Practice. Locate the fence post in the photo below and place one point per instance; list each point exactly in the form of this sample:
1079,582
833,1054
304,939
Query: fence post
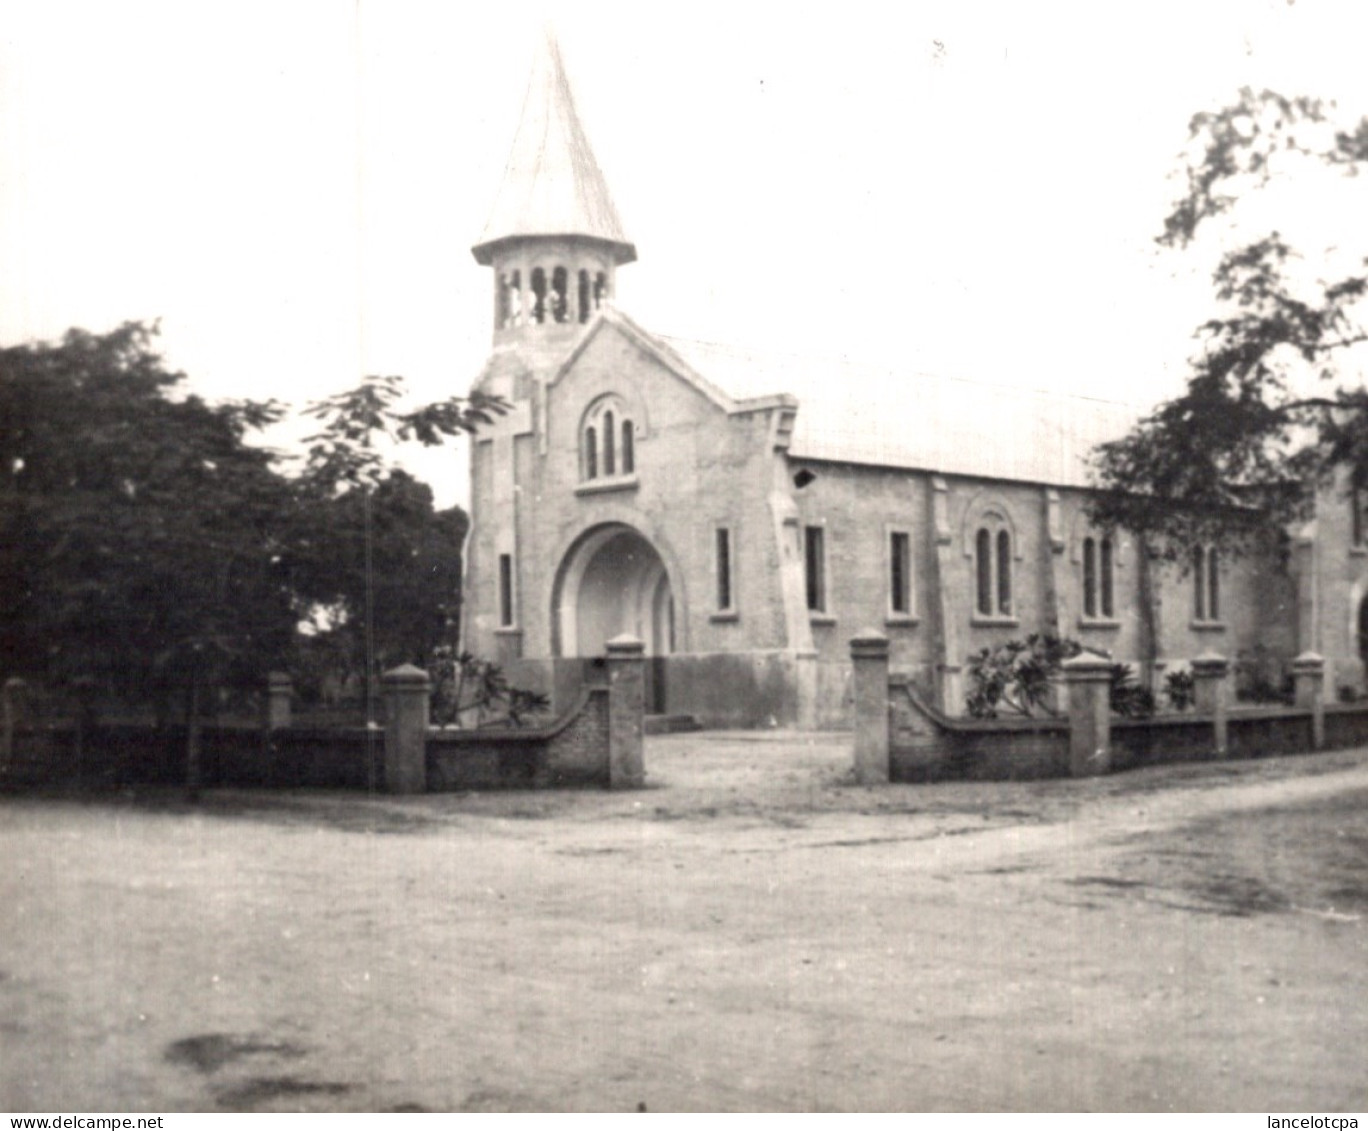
279,698
1308,677
1209,671
869,686
406,724
626,712
1088,679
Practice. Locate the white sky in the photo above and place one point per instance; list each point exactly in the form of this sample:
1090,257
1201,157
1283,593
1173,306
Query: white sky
293,186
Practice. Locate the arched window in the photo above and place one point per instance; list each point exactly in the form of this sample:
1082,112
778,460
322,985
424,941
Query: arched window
560,299
983,566
1004,573
538,295
600,289
991,550
584,309
607,440
590,453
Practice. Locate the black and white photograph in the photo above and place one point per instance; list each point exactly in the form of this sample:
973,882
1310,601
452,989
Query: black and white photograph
730,557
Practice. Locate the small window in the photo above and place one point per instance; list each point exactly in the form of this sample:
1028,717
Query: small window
1099,589
1356,503
1206,584
607,440
560,303
993,572
538,295
609,452
1106,564
983,568
506,590
814,561
1004,573
584,304
899,573
723,568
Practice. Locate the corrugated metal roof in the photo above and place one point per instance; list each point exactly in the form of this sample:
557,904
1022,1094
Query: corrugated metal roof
552,184
871,415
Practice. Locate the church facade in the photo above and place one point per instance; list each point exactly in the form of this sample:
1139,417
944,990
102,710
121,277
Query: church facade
745,516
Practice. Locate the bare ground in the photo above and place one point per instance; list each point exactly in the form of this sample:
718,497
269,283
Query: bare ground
752,932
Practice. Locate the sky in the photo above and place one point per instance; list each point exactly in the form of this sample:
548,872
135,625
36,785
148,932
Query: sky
971,189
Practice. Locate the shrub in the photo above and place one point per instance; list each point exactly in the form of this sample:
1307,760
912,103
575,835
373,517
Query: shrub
468,691
1015,676
1128,698
1180,689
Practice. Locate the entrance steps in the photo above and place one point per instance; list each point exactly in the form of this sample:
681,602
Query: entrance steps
670,724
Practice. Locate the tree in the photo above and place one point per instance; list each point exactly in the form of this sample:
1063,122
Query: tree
1274,402
147,547
381,556
141,534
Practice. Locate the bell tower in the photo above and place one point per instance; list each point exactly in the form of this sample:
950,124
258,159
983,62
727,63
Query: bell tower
554,238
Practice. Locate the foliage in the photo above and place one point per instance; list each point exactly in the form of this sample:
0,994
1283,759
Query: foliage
150,553
1180,689
1261,416
1015,676
1127,697
141,547
468,691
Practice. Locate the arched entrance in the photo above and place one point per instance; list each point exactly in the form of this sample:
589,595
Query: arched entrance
613,581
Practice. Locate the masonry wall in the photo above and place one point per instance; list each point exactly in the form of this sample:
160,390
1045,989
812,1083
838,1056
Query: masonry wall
571,752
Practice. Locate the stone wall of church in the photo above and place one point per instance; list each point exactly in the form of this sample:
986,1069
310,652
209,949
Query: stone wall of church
1147,617
1338,556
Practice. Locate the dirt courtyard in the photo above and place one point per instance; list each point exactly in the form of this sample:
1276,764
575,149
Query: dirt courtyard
750,933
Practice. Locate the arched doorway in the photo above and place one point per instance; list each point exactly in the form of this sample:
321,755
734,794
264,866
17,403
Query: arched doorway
613,581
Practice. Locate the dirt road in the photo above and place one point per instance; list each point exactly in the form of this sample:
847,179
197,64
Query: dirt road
750,933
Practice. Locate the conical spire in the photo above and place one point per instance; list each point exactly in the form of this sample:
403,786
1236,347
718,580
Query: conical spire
552,185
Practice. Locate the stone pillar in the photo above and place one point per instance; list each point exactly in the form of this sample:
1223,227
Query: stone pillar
869,686
1088,680
1308,677
626,712
1209,672
279,699
406,691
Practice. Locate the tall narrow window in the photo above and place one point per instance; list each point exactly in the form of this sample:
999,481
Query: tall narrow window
584,310
505,590
983,567
724,569
538,295
590,453
899,573
600,289
1089,577
1004,573
814,559
1199,579
1108,587
628,455
1213,585
609,459
560,298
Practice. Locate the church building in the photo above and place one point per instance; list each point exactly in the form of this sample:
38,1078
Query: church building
745,516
